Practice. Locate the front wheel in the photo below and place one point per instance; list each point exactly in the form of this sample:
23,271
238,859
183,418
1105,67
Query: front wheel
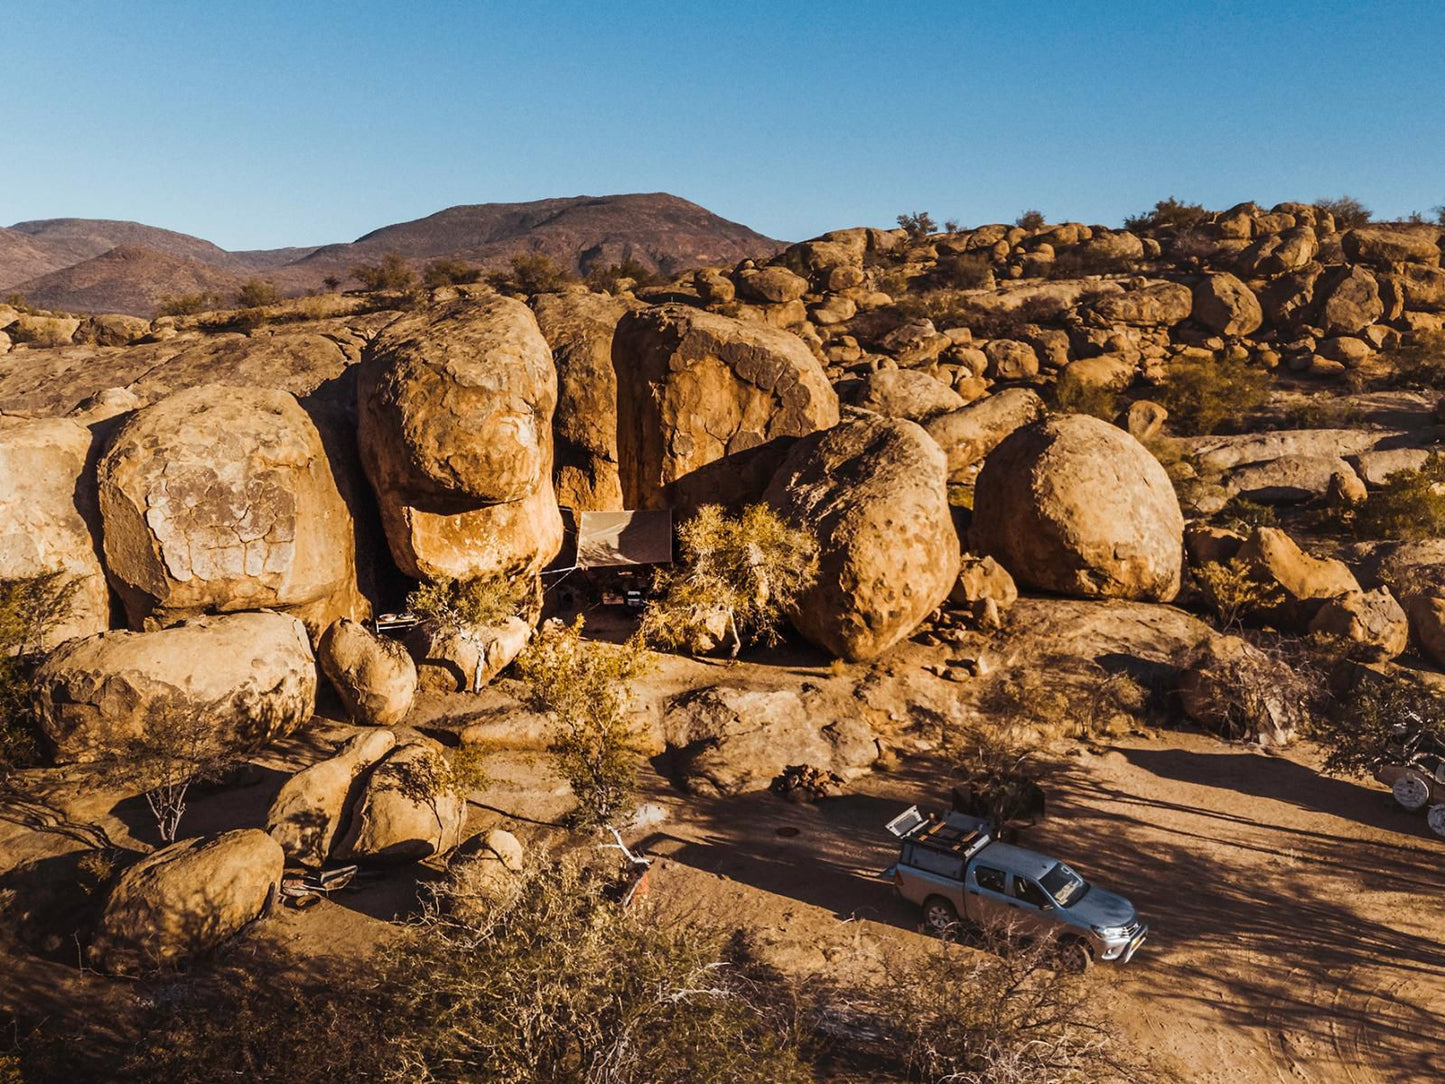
1076,955
1411,790
1436,819
939,916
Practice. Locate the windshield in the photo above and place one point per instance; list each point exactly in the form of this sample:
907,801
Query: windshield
1064,885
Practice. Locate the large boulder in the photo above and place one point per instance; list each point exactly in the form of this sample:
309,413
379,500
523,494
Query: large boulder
408,810
1382,246
874,492
1348,301
1280,253
222,498
1156,304
728,739
455,428
1226,306
984,589
452,658
1423,288
905,393
307,814
1077,506
373,675
185,900
250,676
47,510
968,434
1298,583
708,405
579,328
1427,622
1372,620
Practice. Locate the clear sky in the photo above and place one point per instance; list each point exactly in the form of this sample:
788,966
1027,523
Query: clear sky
259,124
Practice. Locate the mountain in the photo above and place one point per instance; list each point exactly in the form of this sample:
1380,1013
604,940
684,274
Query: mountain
67,263
127,278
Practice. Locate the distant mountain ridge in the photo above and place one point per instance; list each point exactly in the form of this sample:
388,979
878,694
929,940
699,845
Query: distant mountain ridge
101,265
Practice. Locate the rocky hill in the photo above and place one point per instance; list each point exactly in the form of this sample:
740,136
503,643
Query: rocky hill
53,262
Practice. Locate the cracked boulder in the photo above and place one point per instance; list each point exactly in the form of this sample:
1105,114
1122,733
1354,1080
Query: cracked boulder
251,677
222,498
707,406
455,431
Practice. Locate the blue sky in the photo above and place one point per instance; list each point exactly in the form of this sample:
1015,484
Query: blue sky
261,124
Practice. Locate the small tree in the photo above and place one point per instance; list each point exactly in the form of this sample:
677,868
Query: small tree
255,293
951,225
531,273
1169,213
584,686
1410,504
1348,212
1202,395
449,273
175,750
918,225
741,573
392,274
1031,220
479,602
29,609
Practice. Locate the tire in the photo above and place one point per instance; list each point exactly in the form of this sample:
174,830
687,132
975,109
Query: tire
1075,955
1411,790
939,916
1436,819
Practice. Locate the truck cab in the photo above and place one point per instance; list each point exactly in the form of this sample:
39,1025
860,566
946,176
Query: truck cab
954,868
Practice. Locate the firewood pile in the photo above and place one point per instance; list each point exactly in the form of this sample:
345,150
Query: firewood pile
804,783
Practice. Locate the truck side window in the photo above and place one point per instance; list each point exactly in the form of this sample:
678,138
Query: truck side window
989,878
1029,892
944,865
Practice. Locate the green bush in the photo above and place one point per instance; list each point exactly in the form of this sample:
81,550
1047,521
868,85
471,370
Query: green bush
393,274
531,273
190,304
1410,505
1201,396
1076,397
476,603
1419,363
1169,213
918,225
449,273
254,293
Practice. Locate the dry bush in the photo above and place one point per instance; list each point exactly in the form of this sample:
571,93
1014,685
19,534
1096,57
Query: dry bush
1202,395
1348,211
1419,363
1234,592
175,751
1031,220
1379,711
1410,505
737,576
29,608
190,304
531,273
1169,213
917,225
1076,397
585,688
610,279
480,602
966,271
449,273
392,274
255,293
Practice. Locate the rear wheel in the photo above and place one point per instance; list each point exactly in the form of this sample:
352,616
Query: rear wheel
1436,819
940,916
1076,955
1411,790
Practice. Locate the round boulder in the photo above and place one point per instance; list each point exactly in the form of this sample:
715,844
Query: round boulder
373,675
186,899
251,676
874,492
1227,306
409,809
1077,506
310,808
221,498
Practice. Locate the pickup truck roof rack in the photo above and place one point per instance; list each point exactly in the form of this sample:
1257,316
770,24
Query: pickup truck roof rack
956,833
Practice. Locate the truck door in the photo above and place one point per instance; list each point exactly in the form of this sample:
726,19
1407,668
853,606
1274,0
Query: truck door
1028,901
988,903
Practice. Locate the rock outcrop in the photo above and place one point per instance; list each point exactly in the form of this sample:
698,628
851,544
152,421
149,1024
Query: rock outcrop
310,810
968,434
874,492
455,432
1077,506
373,675
251,677
408,810
221,498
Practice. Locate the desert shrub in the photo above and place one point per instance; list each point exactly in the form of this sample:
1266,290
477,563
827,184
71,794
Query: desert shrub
966,271
1410,505
475,603
332,283
989,322
1244,515
255,293
1076,397
174,751
1169,213
29,608
1348,211
1322,412
741,571
189,304
1419,363
1234,592
530,273
1031,220
609,279
893,281
992,762
584,688
918,225
392,274
1378,712
1079,261
449,273
1201,396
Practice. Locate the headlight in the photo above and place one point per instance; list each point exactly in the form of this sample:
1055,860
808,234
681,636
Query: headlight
1111,933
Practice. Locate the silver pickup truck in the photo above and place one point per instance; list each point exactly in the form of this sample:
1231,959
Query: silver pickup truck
954,868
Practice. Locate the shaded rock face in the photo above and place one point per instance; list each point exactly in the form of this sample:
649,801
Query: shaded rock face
311,807
731,740
967,435
47,511
251,675
1371,619
373,675
874,492
185,900
1233,689
456,660
1077,506
579,329
707,405
455,431
403,815
1303,583
222,498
